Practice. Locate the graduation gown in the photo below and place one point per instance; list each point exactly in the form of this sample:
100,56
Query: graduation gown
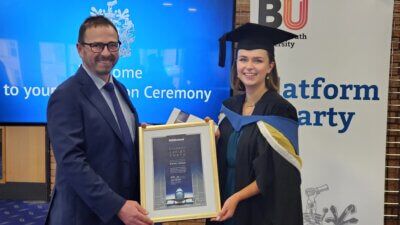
279,202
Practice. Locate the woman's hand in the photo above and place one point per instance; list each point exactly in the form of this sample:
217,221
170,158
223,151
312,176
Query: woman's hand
217,133
231,203
228,209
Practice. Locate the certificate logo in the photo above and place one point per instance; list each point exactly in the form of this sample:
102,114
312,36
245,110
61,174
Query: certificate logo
124,25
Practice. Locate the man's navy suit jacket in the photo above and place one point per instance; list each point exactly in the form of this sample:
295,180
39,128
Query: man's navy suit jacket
95,175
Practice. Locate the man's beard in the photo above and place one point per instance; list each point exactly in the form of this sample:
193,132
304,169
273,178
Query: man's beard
111,59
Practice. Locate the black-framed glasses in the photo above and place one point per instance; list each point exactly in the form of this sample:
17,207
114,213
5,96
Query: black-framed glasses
98,47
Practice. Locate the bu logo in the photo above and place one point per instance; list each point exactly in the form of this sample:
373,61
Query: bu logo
269,14
124,25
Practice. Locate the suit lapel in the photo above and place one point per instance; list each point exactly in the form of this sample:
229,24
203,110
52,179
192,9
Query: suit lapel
93,94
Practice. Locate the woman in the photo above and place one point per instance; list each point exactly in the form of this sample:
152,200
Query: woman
257,159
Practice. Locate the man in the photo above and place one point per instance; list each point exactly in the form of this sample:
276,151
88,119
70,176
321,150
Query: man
92,126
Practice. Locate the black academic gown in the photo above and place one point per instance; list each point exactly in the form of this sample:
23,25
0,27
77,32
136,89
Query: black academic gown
279,202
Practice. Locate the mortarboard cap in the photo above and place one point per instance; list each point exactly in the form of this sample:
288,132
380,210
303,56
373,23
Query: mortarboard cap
252,36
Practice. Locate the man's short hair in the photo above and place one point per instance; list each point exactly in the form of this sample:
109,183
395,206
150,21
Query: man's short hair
94,21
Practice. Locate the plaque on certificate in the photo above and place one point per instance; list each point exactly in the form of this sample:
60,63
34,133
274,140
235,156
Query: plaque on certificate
178,171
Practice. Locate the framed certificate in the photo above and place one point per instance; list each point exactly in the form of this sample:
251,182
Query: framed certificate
178,171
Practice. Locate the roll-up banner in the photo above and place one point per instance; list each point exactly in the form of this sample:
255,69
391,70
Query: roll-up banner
336,74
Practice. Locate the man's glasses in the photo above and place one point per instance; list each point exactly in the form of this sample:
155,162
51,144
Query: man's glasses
98,47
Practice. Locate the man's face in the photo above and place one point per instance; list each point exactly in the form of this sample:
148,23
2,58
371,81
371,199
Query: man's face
100,63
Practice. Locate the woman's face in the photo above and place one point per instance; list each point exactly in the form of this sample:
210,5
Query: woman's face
252,67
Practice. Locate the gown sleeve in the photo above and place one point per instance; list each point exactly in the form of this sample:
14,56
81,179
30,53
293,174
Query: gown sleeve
278,180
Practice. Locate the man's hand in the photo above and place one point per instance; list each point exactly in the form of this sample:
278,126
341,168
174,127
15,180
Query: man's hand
132,213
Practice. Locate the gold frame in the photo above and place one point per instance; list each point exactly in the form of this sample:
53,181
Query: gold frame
206,128
3,154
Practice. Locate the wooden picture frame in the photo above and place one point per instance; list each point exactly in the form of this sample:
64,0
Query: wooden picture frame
178,171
